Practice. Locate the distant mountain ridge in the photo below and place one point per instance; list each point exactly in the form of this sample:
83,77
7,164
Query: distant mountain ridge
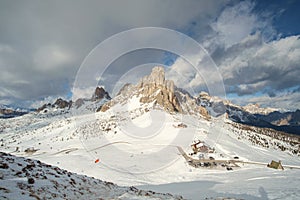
240,114
8,112
256,109
282,119
99,96
164,94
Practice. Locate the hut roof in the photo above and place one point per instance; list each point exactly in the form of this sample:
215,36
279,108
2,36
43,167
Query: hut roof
275,165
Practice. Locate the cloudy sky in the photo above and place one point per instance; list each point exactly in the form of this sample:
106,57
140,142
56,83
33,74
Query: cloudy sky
254,44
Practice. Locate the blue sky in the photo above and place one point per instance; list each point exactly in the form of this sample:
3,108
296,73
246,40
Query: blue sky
288,15
255,45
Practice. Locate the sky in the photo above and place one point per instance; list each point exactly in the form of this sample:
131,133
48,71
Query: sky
254,44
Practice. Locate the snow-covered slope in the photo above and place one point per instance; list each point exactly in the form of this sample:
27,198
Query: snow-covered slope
22,178
129,155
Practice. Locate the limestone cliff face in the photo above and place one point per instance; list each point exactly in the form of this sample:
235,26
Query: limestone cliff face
151,88
154,88
157,77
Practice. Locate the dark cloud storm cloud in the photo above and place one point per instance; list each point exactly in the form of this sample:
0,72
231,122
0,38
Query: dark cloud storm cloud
42,44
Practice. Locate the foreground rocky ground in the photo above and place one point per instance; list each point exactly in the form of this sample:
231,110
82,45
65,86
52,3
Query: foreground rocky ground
22,178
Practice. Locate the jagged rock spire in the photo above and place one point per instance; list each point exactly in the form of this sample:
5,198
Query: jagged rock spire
99,94
155,88
157,78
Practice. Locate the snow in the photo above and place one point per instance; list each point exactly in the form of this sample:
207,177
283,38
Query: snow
30,179
137,145
255,109
245,184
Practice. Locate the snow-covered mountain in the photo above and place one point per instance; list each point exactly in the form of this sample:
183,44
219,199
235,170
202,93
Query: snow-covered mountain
166,95
146,136
162,93
9,112
288,122
256,109
282,119
80,106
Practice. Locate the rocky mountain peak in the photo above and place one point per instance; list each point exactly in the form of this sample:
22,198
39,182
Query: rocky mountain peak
155,87
60,103
151,88
165,95
99,97
156,77
99,94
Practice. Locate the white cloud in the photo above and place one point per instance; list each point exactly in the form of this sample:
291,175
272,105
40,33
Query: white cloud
5,101
83,92
52,38
235,23
40,54
235,37
252,65
238,22
274,64
284,101
186,76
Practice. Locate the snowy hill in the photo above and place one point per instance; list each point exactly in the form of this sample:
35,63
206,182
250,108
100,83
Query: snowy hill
22,178
76,143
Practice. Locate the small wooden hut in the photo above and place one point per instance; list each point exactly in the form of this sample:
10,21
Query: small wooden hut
275,165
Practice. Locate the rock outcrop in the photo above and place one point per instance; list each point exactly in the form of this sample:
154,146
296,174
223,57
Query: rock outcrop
96,100
99,94
154,88
151,88
78,103
43,107
32,179
60,103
